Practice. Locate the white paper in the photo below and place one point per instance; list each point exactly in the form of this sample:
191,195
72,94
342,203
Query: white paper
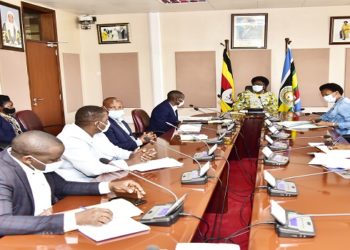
193,137
206,246
315,144
289,124
319,159
198,118
119,226
332,163
156,164
190,128
120,206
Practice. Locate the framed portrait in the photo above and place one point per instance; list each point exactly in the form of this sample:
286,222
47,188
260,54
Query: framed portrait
249,31
11,27
339,32
113,33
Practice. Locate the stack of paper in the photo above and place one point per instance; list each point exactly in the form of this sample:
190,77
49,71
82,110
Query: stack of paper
119,226
156,164
190,128
332,159
121,223
193,137
299,125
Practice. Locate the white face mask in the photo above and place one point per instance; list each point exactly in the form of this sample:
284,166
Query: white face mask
106,126
116,114
329,98
181,103
49,167
257,88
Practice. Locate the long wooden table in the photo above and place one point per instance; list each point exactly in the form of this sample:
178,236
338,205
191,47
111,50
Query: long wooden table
319,194
164,237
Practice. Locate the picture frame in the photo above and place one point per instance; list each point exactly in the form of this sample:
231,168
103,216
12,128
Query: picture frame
11,27
249,31
113,33
339,30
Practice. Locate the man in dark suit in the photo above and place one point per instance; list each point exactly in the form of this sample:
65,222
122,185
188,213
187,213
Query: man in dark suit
165,112
28,188
119,132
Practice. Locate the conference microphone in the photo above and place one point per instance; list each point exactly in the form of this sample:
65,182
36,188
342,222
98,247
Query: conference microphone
110,162
200,110
198,176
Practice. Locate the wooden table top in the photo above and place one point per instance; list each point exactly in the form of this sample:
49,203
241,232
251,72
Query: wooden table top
164,237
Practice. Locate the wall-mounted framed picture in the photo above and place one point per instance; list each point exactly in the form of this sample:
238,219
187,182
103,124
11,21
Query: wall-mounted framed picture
339,30
249,31
113,33
11,27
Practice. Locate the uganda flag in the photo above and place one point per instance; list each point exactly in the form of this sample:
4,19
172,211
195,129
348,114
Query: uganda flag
227,83
289,96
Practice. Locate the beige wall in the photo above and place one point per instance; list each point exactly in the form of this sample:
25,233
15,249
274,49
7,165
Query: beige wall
188,31
139,37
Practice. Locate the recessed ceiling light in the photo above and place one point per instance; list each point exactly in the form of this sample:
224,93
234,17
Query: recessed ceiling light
182,1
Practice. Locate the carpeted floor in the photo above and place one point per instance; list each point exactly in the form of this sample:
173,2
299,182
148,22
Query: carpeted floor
240,189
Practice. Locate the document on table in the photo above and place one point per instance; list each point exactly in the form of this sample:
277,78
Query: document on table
198,118
302,125
121,223
156,164
119,226
190,128
193,137
333,159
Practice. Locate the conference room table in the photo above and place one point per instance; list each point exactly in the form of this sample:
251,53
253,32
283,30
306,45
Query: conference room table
320,194
196,203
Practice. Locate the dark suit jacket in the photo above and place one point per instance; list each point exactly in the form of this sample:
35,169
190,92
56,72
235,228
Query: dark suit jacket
17,204
6,132
119,137
162,113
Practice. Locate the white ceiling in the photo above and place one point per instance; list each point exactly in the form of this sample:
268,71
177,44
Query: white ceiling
100,7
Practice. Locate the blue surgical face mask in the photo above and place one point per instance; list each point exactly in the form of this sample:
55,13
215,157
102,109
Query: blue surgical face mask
116,114
49,167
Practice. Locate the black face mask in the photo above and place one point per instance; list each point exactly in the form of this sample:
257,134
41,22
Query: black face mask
9,111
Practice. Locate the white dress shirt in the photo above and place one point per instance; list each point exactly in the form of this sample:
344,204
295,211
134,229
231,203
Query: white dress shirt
82,153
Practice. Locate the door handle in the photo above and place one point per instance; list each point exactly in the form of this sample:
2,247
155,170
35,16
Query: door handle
36,100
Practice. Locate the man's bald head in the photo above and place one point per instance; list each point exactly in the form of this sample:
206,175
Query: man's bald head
36,143
112,103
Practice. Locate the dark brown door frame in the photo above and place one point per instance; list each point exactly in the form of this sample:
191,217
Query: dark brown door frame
43,10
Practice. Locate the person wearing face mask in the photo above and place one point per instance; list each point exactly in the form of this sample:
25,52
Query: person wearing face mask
166,111
257,97
10,127
339,115
119,133
29,188
86,143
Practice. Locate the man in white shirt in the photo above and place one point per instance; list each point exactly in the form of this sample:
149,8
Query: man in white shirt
85,143
29,187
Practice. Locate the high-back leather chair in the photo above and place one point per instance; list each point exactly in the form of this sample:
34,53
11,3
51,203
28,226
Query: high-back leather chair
29,120
141,120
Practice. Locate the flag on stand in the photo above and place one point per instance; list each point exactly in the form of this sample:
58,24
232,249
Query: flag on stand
289,96
227,83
